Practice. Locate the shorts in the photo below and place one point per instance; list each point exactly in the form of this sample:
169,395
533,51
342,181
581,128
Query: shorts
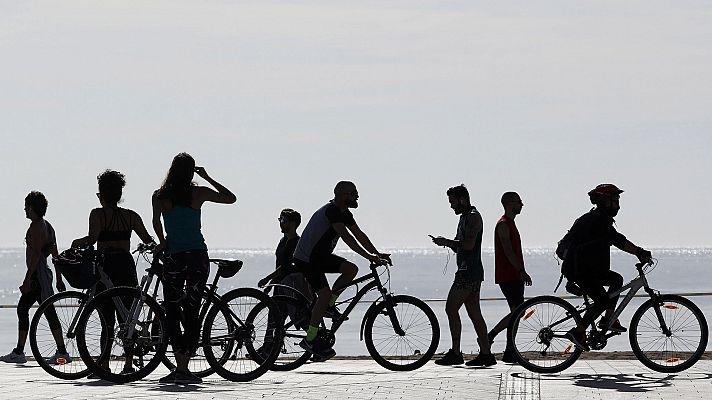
316,269
466,282
514,293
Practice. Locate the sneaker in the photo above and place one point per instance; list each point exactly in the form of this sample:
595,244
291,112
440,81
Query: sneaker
509,358
128,370
450,358
482,360
318,358
317,347
170,378
616,327
14,358
334,313
578,338
186,378
59,359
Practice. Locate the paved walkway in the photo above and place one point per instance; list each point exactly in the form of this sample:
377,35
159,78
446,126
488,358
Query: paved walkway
364,379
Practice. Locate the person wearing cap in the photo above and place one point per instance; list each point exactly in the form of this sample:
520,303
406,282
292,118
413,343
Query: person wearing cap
592,236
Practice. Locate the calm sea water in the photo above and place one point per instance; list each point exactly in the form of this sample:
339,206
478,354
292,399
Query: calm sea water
423,273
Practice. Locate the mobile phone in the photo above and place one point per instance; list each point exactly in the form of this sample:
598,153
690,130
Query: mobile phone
431,236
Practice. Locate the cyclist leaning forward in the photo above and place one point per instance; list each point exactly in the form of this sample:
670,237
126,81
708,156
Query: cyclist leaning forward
588,260
314,258
187,266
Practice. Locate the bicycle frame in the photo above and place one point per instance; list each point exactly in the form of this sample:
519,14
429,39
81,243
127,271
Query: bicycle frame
632,288
373,282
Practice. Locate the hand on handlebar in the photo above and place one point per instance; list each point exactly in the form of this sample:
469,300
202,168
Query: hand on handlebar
376,259
263,282
644,256
387,257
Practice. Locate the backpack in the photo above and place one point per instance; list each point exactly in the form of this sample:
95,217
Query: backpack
565,249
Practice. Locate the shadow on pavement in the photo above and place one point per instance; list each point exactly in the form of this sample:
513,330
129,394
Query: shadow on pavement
622,382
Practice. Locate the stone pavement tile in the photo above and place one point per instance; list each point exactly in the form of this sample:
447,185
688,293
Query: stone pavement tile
364,379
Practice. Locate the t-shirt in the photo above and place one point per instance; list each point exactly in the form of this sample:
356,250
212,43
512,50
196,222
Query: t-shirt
319,238
469,262
504,271
285,251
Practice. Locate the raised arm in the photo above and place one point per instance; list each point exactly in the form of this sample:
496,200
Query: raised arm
203,194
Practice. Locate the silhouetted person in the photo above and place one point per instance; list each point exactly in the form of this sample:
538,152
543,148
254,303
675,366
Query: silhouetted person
468,279
110,227
314,257
589,259
187,266
41,241
509,271
285,273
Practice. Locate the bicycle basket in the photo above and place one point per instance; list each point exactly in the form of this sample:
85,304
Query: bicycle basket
77,266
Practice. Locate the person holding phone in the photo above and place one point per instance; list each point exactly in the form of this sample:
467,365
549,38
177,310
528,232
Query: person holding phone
468,279
179,201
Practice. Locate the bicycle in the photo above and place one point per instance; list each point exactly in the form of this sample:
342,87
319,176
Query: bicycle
668,333
83,269
401,332
140,340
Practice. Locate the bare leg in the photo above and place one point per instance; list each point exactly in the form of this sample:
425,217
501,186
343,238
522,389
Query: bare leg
455,299
472,305
322,302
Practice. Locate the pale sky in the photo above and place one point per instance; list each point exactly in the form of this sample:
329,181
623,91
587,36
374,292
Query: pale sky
279,101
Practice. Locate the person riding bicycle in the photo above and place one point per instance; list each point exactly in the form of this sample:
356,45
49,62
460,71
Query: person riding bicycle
37,286
588,260
314,257
187,265
110,227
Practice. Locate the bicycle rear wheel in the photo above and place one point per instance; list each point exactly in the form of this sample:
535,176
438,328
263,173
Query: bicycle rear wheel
537,329
228,338
64,307
295,316
687,339
417,343
132,347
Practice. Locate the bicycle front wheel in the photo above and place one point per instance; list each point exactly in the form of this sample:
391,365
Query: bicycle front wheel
679,348
53,325
409,347
536,331
228,337
134,343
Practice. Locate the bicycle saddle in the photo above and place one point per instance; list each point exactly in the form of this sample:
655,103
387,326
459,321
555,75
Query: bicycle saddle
228,268
574,289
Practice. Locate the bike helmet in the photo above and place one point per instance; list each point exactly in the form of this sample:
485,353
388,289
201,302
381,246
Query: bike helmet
602,191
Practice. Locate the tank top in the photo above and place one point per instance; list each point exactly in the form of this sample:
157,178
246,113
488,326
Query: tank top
183,230
469,262
504,271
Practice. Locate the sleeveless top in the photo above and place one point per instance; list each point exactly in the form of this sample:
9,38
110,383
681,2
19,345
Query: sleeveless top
117,229
469,262
183,233
42,273
504,271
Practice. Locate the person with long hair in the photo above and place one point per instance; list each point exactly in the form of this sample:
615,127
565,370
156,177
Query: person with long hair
187,265
110,228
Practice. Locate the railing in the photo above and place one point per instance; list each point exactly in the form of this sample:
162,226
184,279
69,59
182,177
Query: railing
567,297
